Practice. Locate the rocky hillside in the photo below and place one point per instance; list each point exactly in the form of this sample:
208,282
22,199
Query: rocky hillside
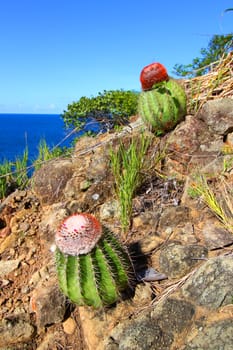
180,238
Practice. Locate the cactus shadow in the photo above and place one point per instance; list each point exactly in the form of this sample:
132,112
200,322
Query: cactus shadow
139,260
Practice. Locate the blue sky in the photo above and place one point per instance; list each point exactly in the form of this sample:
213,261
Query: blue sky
55,51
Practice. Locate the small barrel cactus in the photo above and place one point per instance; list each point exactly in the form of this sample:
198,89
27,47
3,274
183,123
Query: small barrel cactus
164,105
93,268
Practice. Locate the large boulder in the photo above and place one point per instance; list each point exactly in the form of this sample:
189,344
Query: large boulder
50,180
218,115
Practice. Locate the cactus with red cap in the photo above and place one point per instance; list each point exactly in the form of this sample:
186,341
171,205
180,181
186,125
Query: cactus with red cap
162,103
93,268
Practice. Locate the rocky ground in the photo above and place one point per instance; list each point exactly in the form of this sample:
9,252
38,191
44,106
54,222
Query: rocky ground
189,306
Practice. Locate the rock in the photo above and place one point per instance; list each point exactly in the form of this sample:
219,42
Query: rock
99,165
24,226
212,284
184,140
51,219
109,209
218,115
84,185
90,171
143,294
215,235
147,222
97,324
173,216
69,325
186,234
8,266
213,166
86,200
173,314
154,330
182,143
149,243
139,334
40,275
48,341
97,194
15,330
9,242
48,303
215,336
176,260
197,141
5,232
50,180
6,213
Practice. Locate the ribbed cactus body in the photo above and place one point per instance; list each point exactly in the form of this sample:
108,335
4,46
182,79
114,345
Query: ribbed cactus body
98,277
163,107
178,94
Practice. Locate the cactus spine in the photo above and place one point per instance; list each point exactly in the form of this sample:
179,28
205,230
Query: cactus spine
97,276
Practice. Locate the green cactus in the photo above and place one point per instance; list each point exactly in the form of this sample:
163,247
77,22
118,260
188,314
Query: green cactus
163,107
98,275
178,94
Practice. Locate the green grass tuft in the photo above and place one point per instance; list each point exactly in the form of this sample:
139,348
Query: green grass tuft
127,165
14,175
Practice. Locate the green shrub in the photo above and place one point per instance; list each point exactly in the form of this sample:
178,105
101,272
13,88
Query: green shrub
109,108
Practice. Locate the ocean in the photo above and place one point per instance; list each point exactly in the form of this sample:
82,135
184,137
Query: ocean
20,130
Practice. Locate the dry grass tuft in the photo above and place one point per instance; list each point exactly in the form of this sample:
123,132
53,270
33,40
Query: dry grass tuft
216,84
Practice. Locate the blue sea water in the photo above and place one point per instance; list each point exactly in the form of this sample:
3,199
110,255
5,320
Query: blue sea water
20,130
